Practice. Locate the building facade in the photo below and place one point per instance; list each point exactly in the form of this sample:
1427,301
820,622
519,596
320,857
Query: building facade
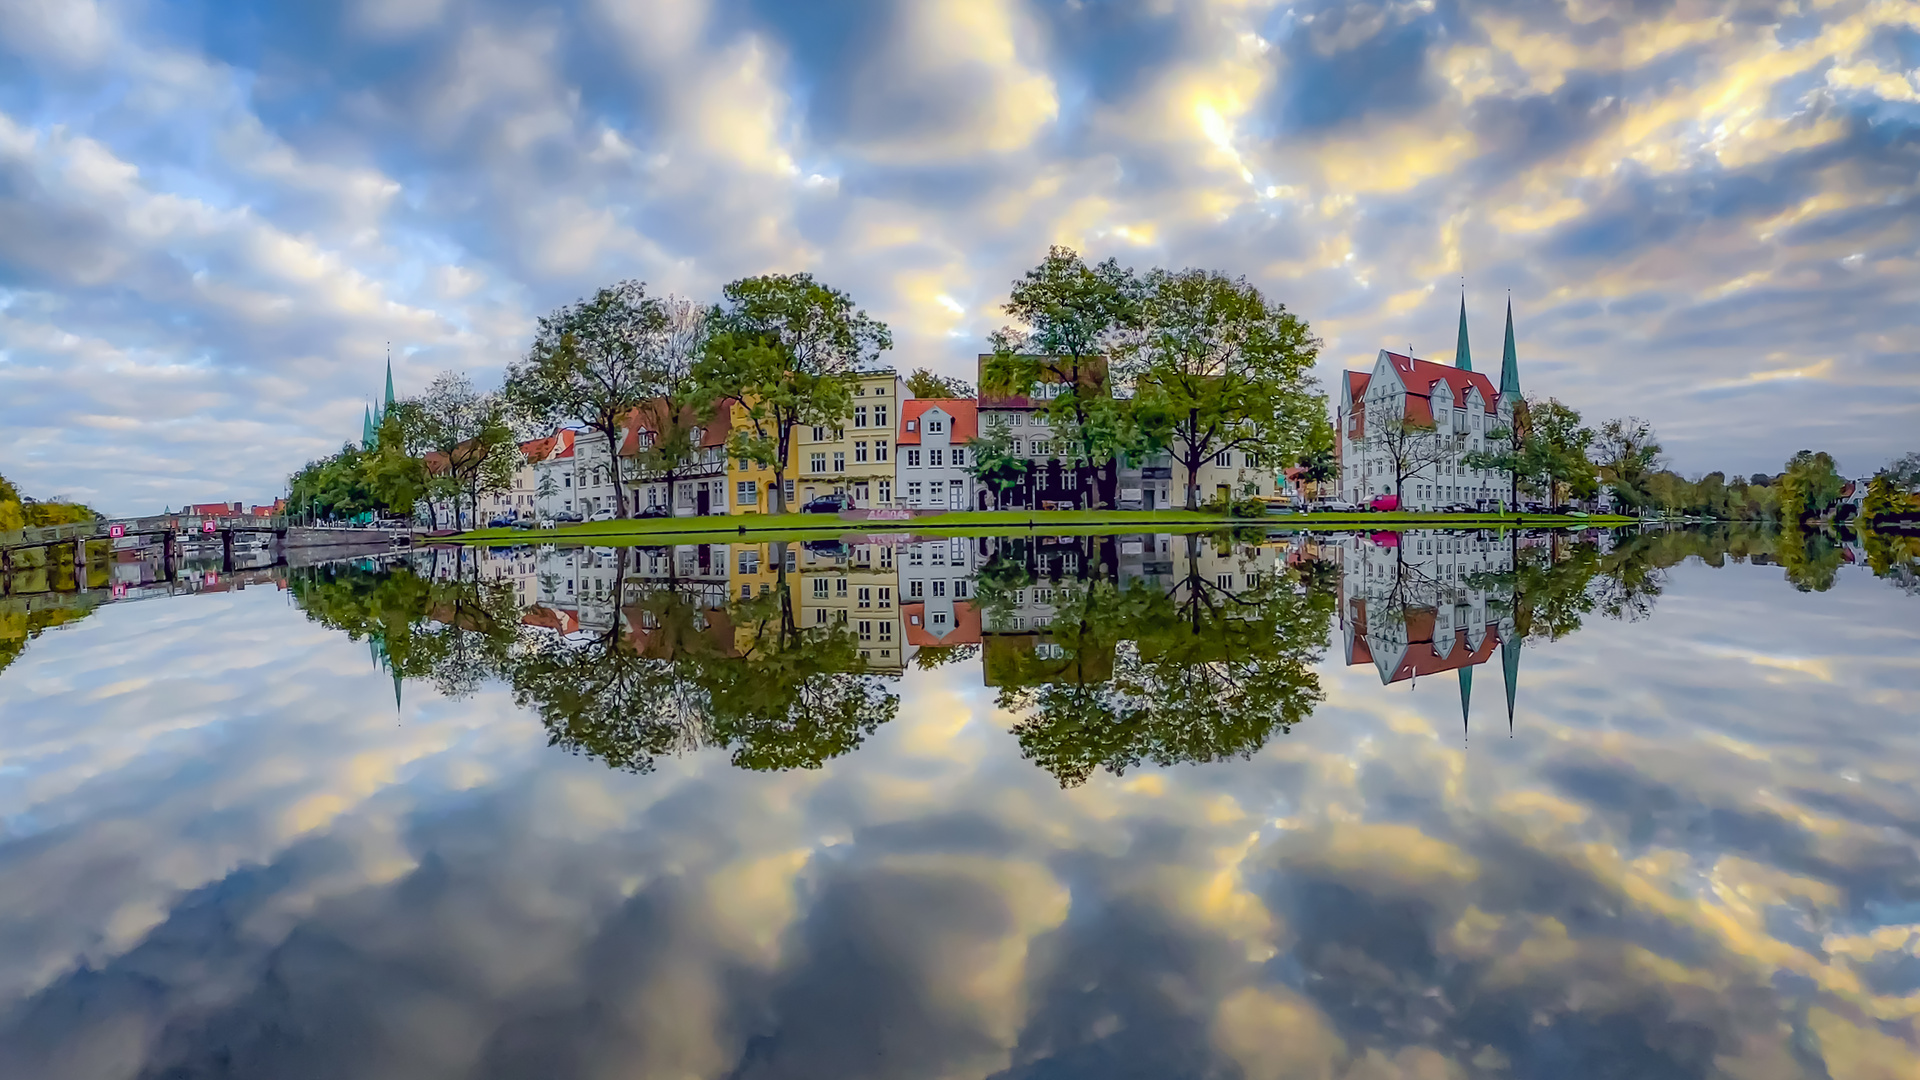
931,462
1420,418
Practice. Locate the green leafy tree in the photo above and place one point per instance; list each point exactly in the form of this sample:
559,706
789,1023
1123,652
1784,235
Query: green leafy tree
469,445
993,463
1810,486
923,383
592,362
672,420
1074,315
1626,452
1232,370
783,348
1548,455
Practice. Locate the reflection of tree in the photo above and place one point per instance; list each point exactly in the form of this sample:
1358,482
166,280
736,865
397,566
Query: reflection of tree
792,697
929,657
19,627
451,632
1193,672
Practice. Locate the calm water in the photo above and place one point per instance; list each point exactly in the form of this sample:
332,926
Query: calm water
1422,806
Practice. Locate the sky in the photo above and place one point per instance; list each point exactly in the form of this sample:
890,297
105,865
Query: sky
215,217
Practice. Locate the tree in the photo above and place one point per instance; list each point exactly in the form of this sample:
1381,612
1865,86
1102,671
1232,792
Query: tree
1549,455
1809,487
1627,452
593,361
992,461
1408,443
1904,472
925,384
1074,316
469,445
1232,371
783,348
671,420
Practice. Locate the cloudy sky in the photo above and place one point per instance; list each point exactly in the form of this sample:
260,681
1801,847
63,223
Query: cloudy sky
214,217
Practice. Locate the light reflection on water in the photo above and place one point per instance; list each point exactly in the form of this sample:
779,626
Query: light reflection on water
1083,806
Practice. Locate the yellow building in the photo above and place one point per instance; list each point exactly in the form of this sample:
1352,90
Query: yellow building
750,483
856,586
856,459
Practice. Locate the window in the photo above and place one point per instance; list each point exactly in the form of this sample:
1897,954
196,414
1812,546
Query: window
959,457
913,492
913,459
1016,447
880,450
819,434
880,415
866,630
839,461
866,597
820,616
859,416
886,631
860,451
789,490
748,492
939,588
1224,459
817,463
886,596
746,590
915,590
840,588
933,459
960,588
935,425
886,491
750,562
819,588
1223,581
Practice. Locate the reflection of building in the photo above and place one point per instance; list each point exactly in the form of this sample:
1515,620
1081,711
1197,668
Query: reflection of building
936,576
856,586
1427,602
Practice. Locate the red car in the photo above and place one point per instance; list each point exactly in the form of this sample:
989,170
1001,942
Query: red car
1385,502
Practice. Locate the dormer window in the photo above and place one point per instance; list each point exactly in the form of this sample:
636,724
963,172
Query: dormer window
913,425
934,426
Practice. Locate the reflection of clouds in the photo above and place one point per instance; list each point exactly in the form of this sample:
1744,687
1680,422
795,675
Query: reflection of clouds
1675,867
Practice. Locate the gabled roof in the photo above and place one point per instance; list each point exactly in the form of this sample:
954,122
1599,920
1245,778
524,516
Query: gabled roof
537,450
964,411
965,630
1357,384
651,416
1421,376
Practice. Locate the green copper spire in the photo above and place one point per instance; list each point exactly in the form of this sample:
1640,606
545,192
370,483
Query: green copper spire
1462,355
367,434
1509,361
1510,667
1466,695
389,403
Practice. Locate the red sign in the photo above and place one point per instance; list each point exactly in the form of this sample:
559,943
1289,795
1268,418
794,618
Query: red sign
119,590
212,578
208,527
116,531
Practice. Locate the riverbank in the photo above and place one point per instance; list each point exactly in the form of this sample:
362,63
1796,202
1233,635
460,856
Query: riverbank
769,526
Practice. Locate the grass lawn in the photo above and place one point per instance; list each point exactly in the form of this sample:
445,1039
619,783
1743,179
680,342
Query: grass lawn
819,526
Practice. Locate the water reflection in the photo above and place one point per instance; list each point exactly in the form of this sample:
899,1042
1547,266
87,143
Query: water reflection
319,830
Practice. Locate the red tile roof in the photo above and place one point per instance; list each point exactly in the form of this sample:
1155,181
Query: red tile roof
966,625
1357,384
965,413
651,416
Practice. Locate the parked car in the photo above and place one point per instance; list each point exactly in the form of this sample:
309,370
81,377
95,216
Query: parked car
564,516
1335,506
505,521
653,512
825,504
605,513
1384,502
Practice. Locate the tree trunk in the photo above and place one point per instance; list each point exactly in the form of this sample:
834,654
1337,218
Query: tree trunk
613,468
777,503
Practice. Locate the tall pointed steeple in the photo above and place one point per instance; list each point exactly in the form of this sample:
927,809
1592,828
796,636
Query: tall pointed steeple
389,402
1510,669
1509,360
367,433
1462,355
1466,695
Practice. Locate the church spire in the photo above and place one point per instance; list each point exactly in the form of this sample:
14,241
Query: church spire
367,433
1510,668
1466,695
1509,360
1462,355
389,403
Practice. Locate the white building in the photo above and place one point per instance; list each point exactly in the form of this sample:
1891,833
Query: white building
1461,406
931,468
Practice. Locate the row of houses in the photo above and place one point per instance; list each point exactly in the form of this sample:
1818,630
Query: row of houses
891,451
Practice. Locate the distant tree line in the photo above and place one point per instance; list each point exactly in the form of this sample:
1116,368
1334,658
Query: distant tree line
18,511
